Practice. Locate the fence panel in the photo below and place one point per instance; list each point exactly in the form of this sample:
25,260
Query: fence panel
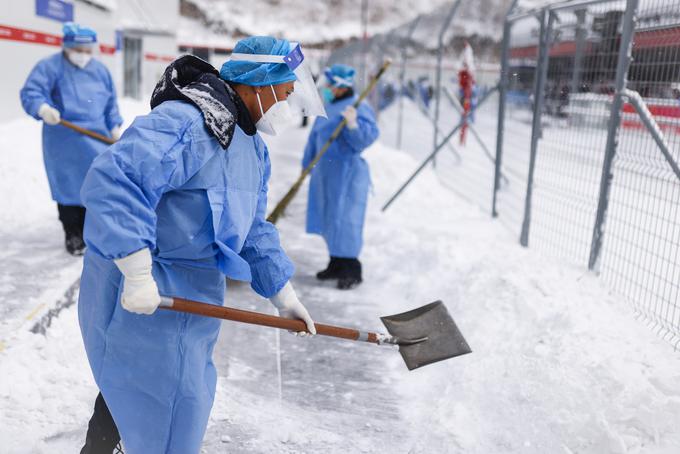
516,145
582,59
641,251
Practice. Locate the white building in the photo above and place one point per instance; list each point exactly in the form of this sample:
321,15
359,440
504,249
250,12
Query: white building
136,41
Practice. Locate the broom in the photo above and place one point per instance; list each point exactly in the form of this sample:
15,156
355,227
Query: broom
87,132
285,201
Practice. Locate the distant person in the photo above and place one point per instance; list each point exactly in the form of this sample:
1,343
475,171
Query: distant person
338,190
73,86
466,84
388,94
425,91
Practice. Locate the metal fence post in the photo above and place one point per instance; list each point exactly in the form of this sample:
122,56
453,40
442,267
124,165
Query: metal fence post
502,92
622,65
438,75
579,52
402,76
547,18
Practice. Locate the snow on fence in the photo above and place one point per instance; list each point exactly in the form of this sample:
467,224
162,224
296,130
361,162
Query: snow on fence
576,171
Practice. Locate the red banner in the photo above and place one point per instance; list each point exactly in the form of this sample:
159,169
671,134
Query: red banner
107,50
160,58
29,36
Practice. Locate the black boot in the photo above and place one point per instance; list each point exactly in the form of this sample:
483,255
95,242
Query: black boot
75,244
102,433
72,218
332,271
351,274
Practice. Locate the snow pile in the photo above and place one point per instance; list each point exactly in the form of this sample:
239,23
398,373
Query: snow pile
46,390
323,22
23,183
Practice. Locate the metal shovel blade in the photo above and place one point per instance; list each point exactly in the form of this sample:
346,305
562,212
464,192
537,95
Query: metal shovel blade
443,339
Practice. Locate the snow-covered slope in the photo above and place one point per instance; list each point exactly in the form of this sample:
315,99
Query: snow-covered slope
333,21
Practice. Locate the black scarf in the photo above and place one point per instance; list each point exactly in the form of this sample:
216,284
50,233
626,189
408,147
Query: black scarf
193,80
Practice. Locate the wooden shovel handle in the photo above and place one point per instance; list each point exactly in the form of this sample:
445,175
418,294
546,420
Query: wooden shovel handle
256,318
87,132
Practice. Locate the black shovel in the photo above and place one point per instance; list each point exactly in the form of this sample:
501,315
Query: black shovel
424,335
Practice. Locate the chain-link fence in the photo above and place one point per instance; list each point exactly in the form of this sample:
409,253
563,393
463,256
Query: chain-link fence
584,98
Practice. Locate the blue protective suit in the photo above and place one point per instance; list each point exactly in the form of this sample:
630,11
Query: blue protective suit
86,97
169,186
338,190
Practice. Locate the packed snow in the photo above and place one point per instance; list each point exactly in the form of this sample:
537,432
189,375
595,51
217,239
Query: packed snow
559,364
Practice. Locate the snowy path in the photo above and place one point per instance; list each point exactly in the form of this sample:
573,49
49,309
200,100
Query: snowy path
34,267
558,365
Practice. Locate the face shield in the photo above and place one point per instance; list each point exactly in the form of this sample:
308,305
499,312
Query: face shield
305,96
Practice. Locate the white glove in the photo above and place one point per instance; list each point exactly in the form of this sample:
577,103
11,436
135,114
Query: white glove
140,293
289,306
116,132
350,114
49,114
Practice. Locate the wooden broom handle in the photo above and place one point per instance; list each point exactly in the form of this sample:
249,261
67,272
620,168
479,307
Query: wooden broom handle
272,321
87,132
280,207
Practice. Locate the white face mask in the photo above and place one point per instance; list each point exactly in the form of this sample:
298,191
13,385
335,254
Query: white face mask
80,59
276,118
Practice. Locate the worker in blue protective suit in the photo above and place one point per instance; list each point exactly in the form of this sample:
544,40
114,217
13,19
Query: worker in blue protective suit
339,185
73,86
177,204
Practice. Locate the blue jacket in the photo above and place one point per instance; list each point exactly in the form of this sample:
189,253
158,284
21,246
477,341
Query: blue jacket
86,97
168,185
339,185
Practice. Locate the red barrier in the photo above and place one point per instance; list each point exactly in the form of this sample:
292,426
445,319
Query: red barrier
666,115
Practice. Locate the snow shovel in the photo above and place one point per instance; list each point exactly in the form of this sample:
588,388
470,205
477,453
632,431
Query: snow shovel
87,132
424,335
280,207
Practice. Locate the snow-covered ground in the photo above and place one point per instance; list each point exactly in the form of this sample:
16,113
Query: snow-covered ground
559,365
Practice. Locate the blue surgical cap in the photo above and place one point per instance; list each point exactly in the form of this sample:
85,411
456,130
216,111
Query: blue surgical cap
340,75
78,35
258,74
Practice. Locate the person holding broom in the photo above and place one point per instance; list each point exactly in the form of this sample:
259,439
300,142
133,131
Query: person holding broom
338,190
177,204
73,86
